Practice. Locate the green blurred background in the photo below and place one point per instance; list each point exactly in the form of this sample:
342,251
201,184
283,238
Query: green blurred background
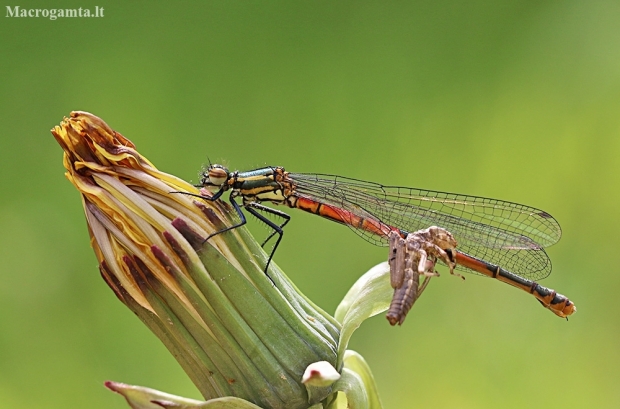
515,100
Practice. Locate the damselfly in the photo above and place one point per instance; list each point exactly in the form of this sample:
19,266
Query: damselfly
490,233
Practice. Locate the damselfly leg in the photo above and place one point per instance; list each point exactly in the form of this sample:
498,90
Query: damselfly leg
251,208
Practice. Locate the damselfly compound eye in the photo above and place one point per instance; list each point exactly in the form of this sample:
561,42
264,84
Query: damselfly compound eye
217,175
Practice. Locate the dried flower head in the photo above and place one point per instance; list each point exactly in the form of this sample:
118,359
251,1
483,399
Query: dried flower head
236,334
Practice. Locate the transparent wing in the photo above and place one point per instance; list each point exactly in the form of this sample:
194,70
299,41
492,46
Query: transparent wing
508,234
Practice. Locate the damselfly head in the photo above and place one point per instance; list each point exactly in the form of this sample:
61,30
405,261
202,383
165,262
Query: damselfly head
215,175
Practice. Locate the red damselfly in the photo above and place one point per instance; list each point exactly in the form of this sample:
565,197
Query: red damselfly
497,239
